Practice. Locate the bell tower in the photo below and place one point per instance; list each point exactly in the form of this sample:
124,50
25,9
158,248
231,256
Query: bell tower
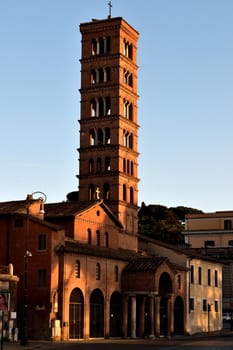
108,153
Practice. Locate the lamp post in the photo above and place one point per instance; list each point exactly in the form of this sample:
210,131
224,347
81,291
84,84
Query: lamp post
24,337
27,255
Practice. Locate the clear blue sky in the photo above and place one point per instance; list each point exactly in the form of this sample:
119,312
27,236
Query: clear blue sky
185,83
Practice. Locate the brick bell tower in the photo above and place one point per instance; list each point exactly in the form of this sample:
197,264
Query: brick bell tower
108,153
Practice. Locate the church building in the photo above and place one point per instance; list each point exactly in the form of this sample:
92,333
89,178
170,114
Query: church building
87,275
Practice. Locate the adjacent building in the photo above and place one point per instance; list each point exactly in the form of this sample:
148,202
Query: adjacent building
201,286
212,235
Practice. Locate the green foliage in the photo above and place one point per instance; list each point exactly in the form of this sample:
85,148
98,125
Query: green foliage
162,223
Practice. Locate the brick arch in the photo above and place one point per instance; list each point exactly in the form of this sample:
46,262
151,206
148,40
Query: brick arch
115,314
76,314
96,314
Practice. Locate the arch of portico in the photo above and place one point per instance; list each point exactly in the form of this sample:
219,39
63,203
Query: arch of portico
150,299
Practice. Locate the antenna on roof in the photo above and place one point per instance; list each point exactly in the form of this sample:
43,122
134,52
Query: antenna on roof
110,9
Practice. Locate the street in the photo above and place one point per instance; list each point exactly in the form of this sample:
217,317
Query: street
201,343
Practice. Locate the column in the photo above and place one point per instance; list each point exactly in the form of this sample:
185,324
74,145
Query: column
157,316
133,316
107,320
142,316
151,316
171,305
170,322
125,316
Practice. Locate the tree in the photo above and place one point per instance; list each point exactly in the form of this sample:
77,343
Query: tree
162,223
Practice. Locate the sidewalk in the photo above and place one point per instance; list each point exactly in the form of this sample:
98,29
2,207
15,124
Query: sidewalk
50,345
32,345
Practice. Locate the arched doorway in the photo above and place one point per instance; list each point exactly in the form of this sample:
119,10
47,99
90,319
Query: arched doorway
115,315
76,314
179,316
96,314
165,291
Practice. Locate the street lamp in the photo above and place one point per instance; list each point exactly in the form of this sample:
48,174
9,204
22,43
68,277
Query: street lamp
27,255
24,337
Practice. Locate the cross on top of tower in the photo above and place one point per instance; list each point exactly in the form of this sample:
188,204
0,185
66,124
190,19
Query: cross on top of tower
110,9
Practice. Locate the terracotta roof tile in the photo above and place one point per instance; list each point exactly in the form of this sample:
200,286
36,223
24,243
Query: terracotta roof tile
72,246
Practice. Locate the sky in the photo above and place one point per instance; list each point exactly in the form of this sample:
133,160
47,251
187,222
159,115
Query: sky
185,109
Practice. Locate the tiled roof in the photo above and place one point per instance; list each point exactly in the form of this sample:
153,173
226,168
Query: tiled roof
72,246
186,251
63,209
72,208
148,264
13,207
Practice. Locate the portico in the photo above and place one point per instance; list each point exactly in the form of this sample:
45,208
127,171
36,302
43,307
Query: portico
151,298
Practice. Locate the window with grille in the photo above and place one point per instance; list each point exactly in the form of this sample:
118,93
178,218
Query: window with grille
116,273
191,304
97,271
98,237
216,278
199,275
209,277
77,269
216,305
205,306
192,274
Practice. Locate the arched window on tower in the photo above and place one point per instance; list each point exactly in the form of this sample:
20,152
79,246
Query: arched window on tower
108,106
92,137
91,192
91,165
101,107
99,165
101,75
107,136
128,78
93,76
124,165
128,49
124,193
107,76
130,145
130,111
93,108
127,139
131,195
107,164
94,46
108,44
132,169
101,44
100,136
106,191
128,167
